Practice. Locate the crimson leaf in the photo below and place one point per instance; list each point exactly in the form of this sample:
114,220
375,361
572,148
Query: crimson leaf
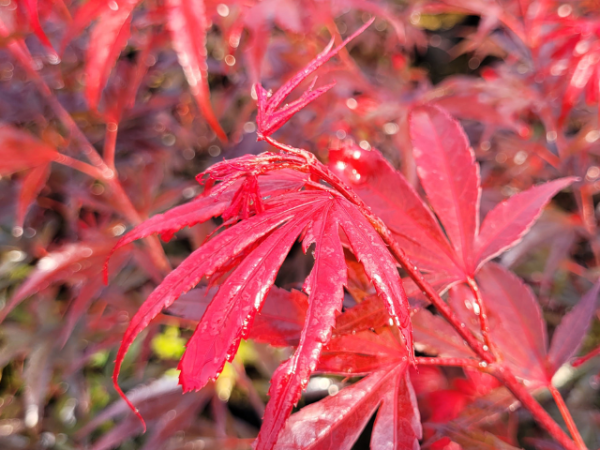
396,202
449,175
269,119
506,224
336,421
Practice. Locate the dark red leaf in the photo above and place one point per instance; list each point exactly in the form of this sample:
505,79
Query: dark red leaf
398,422
186,21
449,175
278,323
435,336
517,327
506,224
573,327
281,319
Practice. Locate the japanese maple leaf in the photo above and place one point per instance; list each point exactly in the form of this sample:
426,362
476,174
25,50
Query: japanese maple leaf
456,244
318,216
337,421
269,119
267,213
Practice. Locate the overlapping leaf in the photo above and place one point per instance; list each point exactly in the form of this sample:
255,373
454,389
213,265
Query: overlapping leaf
336,421
392,198
33,182
264,240
450,177
517,328
278,323
574,326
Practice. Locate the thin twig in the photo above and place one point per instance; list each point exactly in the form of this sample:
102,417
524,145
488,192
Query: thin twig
564,411
458,362
110,142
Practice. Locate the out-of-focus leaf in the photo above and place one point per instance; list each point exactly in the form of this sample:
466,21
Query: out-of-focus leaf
20,151
34,20
36,374
108,38
473,439
84,15
33,182
69,263
573,327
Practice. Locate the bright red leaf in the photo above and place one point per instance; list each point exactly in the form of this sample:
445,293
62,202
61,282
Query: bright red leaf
506,224
396,202
449,174
269,119
186,21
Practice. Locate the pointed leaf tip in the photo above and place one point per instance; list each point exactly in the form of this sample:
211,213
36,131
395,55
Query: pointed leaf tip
449,175
127,401
268,119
